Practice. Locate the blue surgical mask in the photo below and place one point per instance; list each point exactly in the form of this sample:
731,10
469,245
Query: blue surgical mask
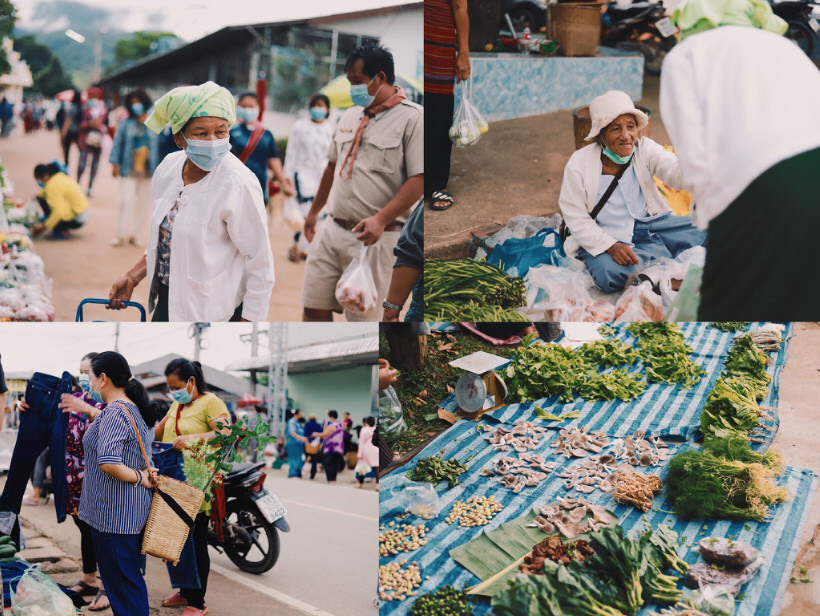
359,94
318,113
247,114
137,108
95,396
41,184
182,396
85,382
620,160
207,154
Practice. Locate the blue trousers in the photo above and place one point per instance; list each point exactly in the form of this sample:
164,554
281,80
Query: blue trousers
121,569
169,461
42,425
295,451
667,236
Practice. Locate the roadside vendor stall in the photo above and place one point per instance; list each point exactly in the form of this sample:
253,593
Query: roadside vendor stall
607,460
25,291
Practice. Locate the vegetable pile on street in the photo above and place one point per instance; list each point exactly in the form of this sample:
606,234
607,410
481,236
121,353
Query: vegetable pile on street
464,290
574,557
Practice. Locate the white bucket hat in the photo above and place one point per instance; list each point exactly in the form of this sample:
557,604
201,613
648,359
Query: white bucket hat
605,108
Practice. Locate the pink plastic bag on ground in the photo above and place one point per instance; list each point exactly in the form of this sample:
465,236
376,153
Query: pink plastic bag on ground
356,289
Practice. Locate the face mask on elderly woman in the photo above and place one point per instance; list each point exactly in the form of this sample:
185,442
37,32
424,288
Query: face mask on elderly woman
207,154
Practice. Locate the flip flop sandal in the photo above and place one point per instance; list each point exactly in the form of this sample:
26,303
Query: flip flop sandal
87,589
175,600
99,608
441,196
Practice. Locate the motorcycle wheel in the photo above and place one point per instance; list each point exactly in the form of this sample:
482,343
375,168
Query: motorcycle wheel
801,35
254,546
654,48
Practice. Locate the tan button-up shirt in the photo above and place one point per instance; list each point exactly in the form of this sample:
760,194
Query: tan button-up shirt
391,151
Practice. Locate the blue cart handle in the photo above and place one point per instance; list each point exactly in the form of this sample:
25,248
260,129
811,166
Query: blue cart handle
90,300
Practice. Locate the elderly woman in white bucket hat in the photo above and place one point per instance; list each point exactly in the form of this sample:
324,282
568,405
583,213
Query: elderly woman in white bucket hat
615,214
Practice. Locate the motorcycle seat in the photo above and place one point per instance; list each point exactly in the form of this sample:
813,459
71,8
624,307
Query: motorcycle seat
616,12
242,470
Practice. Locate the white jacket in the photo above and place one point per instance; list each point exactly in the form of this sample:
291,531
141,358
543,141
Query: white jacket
735,102
220,250
579,191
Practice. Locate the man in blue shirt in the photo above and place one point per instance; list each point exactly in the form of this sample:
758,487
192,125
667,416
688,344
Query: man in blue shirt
265,155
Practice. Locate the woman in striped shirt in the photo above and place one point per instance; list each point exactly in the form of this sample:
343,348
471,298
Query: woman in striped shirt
116,492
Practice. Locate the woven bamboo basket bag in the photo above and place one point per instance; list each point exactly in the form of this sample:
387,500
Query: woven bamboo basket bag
173,508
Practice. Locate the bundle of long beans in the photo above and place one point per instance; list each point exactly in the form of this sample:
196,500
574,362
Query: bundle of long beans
467,290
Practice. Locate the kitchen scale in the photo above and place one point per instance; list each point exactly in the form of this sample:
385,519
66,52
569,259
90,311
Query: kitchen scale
480,389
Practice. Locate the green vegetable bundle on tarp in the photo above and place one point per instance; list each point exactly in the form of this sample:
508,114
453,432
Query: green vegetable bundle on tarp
665,354
471,291
435,470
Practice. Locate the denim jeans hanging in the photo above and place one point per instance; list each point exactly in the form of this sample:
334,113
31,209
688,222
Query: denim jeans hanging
42,425
169,461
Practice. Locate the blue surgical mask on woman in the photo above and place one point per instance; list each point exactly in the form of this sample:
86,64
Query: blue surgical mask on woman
85,382
182,396
95,395
318,113
620,160
41,184
247,114
137,108
359,94
207,154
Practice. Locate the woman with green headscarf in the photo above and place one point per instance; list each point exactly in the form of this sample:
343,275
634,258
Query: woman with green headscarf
739,102
209,256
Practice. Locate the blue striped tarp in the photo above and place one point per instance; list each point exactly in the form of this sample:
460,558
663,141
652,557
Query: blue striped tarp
664,411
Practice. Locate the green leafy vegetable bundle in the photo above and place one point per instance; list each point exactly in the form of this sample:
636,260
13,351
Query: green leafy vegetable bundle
745,358
730,326
609,353
731,406
435,470
623,575
702,484
665,354
461,288
541,371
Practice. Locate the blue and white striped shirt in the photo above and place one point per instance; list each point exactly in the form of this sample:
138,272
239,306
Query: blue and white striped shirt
108,504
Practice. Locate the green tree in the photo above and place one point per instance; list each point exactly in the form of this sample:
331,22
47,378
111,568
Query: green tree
46,70
137,47
8,16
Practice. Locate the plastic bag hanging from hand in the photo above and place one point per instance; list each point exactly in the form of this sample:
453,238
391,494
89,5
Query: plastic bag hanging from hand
292,215
468,124
39,595
356,290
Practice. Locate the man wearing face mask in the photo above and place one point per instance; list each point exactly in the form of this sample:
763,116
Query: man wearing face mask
255,146
209,256
376,169
134,158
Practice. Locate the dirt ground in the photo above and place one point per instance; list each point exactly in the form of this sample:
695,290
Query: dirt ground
86,265
515,170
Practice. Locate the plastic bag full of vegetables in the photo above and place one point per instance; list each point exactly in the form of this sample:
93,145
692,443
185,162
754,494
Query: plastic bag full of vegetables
356,290
38,595
468,124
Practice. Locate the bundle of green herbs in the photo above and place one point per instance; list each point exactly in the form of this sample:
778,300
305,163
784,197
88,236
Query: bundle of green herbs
545,370
609,353
731,405
450,285
435,470
665,354
701,484
623,575
746,358
730,326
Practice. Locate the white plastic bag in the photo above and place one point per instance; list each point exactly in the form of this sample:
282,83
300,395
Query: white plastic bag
391,417
292,214
356,290
38,595
468,124
639,303
419,499
561,291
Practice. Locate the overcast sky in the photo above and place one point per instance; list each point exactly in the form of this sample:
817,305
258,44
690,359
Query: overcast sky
192,19
54,347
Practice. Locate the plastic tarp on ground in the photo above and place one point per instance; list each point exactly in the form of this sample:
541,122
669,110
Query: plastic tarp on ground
778,539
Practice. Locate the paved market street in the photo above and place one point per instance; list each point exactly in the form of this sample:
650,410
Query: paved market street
87,264
328,563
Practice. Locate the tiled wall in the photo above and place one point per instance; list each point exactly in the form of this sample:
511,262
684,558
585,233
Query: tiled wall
506,86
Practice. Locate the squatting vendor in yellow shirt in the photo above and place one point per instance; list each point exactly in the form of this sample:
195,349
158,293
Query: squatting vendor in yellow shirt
63,202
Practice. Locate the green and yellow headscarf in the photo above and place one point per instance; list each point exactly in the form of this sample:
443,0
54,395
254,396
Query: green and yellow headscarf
186,102
695,16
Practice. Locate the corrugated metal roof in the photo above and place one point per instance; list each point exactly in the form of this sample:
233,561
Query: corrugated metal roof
319,357
151,371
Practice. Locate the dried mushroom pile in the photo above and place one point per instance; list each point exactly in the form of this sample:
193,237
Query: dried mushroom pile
572,517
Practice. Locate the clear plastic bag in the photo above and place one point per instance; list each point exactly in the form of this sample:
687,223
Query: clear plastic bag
419,499
639,303
38,595
391,417
561,291
711,599
468,124
292,214
356,290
